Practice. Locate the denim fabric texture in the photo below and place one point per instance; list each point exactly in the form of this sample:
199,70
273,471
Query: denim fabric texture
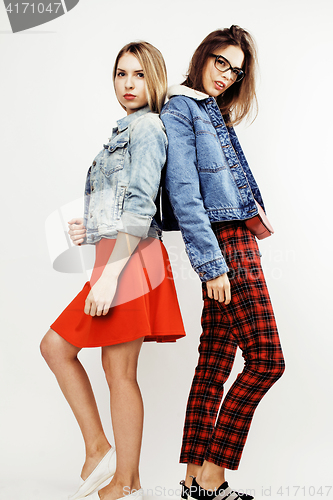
124,178
207,177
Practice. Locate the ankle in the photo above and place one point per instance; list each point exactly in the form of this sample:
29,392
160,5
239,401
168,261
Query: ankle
98,449
209,483
210,474
193,470
188,482
127,482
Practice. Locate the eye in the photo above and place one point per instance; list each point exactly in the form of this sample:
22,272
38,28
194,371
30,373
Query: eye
221,62
141,75
236,71
120,73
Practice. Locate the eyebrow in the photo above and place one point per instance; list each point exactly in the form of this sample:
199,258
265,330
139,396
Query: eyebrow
136,71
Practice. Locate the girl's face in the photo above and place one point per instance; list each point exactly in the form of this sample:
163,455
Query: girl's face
130,84
216,82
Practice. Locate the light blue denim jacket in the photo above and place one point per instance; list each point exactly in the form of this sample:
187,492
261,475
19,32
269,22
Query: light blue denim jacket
124,178
207,177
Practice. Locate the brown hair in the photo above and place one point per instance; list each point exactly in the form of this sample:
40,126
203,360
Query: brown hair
239,100
154,69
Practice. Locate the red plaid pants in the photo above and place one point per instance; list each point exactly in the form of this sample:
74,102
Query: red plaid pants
214,432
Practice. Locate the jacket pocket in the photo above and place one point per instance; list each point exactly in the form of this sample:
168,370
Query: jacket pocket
113,158
210,156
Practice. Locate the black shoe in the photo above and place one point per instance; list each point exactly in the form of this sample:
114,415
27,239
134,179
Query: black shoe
224,492
185,490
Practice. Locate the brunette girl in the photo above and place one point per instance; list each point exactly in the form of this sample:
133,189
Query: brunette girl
212,192
131,296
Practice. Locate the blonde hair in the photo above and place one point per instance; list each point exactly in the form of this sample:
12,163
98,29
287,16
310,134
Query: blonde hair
154,69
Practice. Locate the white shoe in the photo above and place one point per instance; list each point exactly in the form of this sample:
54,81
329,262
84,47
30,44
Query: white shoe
136,495
104,470
94,496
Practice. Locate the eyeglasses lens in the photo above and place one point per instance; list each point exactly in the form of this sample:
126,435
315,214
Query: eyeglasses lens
223,65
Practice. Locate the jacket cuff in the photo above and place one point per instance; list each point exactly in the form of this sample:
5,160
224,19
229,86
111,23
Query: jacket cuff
212,270
137,225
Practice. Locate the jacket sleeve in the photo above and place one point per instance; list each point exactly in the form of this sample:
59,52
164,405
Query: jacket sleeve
147,150
183,187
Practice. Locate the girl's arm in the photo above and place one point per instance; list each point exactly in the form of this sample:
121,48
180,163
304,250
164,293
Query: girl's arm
99,299
183,187
147,150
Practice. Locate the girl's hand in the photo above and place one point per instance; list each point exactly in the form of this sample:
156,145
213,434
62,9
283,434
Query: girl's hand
77,231
219,289
100,296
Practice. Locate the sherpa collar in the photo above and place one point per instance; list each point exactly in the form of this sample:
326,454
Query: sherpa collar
186,91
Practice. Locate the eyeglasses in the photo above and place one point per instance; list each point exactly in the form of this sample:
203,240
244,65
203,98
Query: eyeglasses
223,65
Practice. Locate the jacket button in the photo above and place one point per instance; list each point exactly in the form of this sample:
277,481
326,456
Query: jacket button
201,275
94,163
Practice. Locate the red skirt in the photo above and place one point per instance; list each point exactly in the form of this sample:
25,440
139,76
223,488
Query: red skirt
145,303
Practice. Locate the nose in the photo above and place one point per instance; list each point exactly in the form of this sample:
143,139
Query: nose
129,82
228,74
231,75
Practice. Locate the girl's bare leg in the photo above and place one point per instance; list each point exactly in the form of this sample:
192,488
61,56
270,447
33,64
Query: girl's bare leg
192,470
208,475
61,356
120,365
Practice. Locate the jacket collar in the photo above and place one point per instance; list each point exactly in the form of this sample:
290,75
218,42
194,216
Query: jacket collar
186,91
123,123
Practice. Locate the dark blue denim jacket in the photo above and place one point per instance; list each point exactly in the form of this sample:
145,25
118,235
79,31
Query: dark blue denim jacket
207,177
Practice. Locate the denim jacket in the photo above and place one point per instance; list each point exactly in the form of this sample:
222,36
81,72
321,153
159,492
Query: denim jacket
207,177
124,178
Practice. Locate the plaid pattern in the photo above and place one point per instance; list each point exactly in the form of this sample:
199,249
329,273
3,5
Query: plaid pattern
248,322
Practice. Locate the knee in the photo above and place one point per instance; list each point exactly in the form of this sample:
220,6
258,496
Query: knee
46,347
276,369
53,350
269,370
117,373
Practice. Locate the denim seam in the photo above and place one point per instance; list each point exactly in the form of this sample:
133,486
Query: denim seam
204,132
176,113
197,118
219,259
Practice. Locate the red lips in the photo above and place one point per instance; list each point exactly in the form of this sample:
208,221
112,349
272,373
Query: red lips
129,96
217,86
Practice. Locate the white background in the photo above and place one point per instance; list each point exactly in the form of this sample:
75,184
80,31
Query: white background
57,109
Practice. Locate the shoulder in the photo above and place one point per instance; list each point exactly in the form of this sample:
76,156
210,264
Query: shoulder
147,123
178,102
180,106
148,128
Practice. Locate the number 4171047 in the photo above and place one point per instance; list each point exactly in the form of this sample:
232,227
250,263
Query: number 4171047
33,8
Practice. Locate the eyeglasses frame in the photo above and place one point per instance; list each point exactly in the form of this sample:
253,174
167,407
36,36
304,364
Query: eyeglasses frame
230,67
